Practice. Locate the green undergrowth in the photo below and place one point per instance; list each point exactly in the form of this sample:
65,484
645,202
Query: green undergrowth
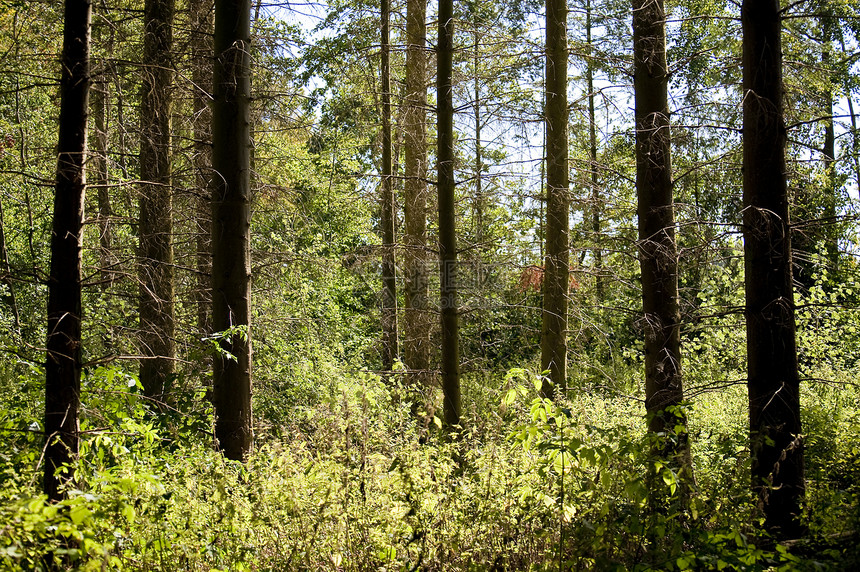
356,482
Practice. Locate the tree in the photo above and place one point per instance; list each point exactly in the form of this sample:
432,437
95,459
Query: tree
8,296
231,221
828,151
100,98
201,60
776,444
592,155
557,262
389,286
157,316
447,209
416,323
658,256
814,199
63,363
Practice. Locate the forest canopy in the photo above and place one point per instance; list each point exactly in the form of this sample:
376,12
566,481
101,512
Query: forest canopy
398,285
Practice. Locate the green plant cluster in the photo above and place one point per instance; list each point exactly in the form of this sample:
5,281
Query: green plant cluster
355,482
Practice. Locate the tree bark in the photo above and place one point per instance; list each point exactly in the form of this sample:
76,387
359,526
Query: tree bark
478,208
157,317
63,363
814,241
557,262
416,317
658,257
201,56
592,153
389,286
8,298
231,221
855,134
831,235
447,222
776,446
100,94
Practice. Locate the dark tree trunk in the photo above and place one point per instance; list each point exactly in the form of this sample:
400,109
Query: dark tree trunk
592,155
831,190
855,133
231,222
157,319
774,402
201,56
658,258
478,207
447,222
389,286
100,95
63,363
557,262
416,316
8,298
814,240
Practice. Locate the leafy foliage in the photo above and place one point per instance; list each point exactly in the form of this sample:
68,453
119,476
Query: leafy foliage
347,484
348,473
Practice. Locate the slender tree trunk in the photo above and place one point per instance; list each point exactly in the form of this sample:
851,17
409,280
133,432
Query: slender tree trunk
776,446
855,135
541,237
157,319
814,240
63,363
100,94
416,317
658,258
479,159
201,56
6,277
122,132
389,286
831,235
8,298
557,262
231,223
23,163
592,153
447,222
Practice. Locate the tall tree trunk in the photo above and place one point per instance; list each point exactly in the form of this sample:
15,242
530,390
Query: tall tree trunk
479,159
541,230
389,286
416,316
63,363
557,262
201,56
7,298
121,125
658,258
447,222
592,154
855,135
814,240
831,234
100,94
231,224
157,319
774,401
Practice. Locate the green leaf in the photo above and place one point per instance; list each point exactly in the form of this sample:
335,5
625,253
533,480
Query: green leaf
129,513
79,514
668,477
